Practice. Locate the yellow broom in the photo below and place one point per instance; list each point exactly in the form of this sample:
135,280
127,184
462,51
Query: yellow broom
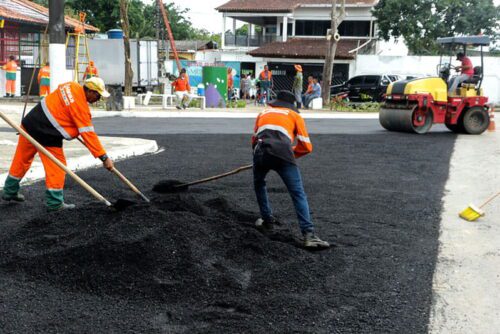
472,212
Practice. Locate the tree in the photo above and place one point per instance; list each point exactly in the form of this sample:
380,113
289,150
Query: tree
129,74
332,38
421,22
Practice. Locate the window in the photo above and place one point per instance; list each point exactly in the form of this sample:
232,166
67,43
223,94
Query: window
320,28
289,32
354,28
355,81
311,28
372,79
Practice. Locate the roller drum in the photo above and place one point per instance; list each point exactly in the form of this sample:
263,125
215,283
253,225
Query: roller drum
401,120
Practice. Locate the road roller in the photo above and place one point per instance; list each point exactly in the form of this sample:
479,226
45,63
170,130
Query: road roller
414,105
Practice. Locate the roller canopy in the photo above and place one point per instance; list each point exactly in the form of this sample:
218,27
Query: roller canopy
468,40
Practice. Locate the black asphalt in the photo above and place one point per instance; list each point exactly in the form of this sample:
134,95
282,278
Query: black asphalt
194,263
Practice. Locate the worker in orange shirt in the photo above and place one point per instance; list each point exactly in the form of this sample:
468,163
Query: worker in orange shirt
280,137
63,114
11,72
90,71
182,90
230,83
266,81
44,80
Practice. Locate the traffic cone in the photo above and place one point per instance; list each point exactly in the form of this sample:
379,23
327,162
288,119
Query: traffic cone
492,127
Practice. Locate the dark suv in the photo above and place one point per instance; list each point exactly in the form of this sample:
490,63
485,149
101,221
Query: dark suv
365,88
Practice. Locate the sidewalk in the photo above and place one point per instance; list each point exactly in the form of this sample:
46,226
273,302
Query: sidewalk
467,276
77,156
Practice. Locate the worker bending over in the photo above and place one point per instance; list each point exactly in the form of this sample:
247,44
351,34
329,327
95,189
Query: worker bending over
280,136
63,114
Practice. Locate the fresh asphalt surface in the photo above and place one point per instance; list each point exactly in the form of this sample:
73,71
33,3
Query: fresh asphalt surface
375,195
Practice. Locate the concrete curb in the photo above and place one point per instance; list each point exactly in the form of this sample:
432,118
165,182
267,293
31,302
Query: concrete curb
140,147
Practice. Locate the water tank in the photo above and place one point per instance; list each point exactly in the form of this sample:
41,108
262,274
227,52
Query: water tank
115,34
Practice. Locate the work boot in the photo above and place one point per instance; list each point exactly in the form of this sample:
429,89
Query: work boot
313,242
266,224
16,197
62,207
178,107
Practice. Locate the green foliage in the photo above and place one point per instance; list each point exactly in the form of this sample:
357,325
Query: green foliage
421,22
237,104
338,104
144,20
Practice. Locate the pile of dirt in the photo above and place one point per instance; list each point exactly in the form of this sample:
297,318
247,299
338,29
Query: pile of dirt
177,246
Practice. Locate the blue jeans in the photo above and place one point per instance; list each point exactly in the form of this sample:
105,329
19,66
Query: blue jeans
266,87
290,174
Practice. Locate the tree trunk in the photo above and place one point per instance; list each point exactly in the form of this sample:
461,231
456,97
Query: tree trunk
331,50
129,74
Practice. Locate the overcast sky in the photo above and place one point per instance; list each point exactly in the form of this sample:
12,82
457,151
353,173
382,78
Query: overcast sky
203,14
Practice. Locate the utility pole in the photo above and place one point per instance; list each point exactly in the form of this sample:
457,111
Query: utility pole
57,47
332,37
129,74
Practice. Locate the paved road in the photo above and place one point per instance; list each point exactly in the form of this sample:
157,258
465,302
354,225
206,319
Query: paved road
121,126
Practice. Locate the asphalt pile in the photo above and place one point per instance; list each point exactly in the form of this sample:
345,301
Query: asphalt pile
176,247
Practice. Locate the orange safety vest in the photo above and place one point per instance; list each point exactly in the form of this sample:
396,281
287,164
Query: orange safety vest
90,71
68,111
288,123
44,76
11,69
230,81
266,75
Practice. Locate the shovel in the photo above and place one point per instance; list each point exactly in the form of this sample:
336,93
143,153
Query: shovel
172,186
119,205
123,178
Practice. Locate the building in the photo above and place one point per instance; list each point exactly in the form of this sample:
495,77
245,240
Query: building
23,26
281,33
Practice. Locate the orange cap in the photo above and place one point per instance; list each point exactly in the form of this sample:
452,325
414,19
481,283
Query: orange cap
298,67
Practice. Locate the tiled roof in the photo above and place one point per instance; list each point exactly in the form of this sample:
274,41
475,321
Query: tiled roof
28,12
313,48
279,5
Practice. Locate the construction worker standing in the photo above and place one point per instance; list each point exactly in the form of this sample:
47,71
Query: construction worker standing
11,72
266,81
90,71
44,80
63,114
297,85
276,131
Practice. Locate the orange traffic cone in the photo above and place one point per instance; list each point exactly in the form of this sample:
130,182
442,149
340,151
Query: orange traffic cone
492,127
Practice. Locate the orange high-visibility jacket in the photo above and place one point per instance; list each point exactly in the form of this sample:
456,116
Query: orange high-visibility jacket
283,132
265,76
181,85
44,76
68,111
11,69
90,71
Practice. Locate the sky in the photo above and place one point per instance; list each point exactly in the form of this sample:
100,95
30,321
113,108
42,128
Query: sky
203,14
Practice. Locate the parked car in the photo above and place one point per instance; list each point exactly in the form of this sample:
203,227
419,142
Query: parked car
365,88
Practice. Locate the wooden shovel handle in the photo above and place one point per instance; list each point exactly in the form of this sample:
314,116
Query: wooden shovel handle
49,155
208,179
489,200
129,184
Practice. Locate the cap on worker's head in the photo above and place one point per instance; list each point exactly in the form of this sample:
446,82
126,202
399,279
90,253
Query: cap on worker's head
183,70
97,84
285,96
91,63
298,67
460,55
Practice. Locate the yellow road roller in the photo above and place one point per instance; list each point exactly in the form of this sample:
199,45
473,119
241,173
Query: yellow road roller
414,105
